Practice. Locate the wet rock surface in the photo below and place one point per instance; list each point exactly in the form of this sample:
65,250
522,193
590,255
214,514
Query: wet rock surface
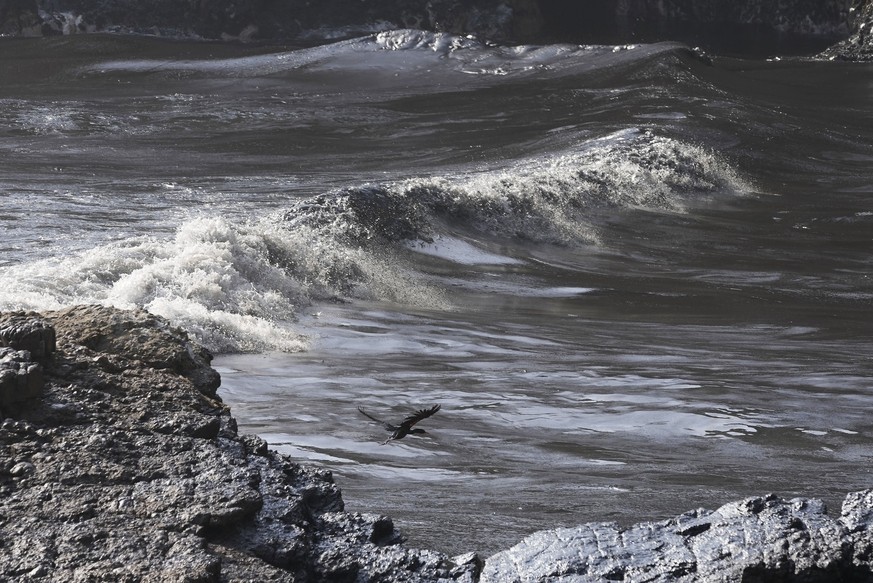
127,467
124,465
859,45
757,539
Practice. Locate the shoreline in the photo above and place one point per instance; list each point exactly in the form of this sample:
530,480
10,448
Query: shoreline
118,461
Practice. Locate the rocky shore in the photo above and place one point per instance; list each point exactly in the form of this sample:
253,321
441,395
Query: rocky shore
119,462
859,45
769,25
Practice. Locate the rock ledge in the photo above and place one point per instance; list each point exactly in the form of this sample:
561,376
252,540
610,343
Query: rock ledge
122,464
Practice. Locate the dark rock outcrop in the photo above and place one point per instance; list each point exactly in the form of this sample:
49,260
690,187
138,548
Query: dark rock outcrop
859,46
20,378
24,338
26,331
125,466
155,343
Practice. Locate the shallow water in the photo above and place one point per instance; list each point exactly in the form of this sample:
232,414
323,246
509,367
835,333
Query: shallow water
636,280
553,416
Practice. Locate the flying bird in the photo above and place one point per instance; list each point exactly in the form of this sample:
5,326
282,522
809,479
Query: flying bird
406,426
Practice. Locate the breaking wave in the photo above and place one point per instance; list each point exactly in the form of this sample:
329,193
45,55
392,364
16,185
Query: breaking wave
240,285
544,200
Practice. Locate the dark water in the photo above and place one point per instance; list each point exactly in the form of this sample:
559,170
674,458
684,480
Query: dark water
638,280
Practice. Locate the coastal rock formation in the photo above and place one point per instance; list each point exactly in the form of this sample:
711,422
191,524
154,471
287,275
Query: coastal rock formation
757,539
859,46
122,464
23,338
20,378
126,466
530,21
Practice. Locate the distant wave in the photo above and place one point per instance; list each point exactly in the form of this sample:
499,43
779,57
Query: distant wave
405,52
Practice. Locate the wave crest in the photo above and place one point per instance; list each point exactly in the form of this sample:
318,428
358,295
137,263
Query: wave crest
547,200
240,286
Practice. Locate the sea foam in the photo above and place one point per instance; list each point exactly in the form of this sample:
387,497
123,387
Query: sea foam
235,287
240,285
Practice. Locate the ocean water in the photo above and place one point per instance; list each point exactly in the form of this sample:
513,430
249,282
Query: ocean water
636,278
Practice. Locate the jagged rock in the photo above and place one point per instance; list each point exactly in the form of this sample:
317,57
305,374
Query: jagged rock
859,45
20,378
757,539
129,468
27,331
24,338
137,335
857,517
20,18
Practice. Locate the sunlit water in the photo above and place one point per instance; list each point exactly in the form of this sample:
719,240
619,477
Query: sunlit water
638,282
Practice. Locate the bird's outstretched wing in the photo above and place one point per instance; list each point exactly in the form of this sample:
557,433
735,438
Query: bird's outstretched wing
387,425
418,416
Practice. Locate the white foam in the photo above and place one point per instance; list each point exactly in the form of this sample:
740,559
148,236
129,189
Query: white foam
213,278
441,43
235,287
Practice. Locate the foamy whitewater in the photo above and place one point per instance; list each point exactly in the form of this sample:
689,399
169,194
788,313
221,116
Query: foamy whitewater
636,277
